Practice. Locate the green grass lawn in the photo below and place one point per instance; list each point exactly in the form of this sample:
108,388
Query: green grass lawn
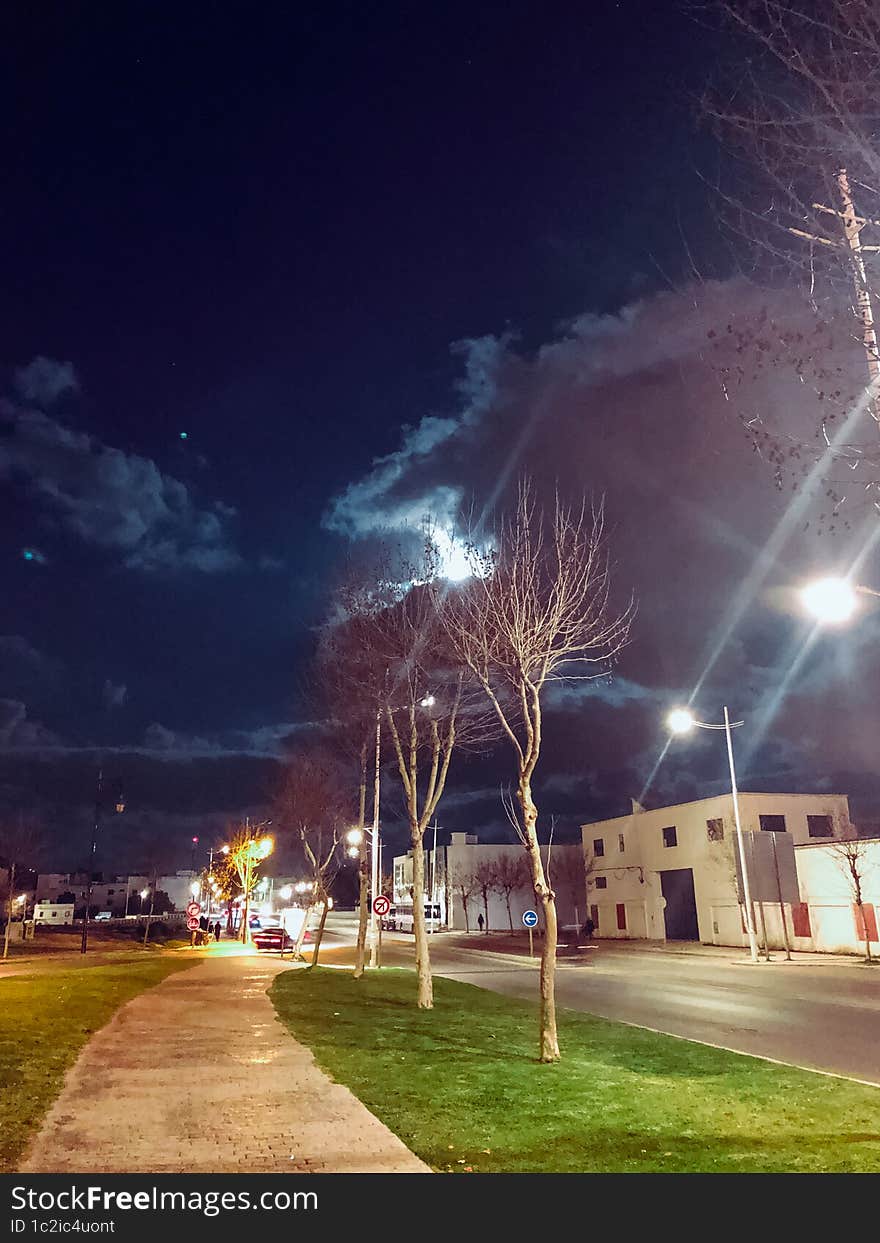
462,1088
45,1019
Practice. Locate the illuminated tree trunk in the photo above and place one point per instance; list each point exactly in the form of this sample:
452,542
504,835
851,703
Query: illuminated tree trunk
546,898
425,999
9,902
320,933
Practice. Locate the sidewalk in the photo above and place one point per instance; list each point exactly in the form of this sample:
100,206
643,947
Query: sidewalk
198,1075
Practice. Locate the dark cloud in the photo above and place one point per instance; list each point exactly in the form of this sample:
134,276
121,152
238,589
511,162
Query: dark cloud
44,380
113,694
113,500
18,733
646,407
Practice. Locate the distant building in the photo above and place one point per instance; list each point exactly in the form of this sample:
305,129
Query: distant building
454,871
56,914
670,873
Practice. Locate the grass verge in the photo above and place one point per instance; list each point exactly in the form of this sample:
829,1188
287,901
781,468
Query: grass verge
461,1087
45,1019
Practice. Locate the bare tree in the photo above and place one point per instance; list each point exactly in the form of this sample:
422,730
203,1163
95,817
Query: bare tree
569,873
310,805
537,610
347,682
427,705
463,883
852,857
19,849
797,112
484,876
511,875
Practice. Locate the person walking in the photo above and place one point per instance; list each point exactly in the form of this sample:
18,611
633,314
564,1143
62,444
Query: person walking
589,929
217,930
480,922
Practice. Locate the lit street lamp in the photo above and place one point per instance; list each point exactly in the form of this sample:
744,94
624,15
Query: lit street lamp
833,601
681,721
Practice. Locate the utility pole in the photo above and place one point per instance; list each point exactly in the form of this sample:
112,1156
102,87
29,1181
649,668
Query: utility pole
852,226
95,827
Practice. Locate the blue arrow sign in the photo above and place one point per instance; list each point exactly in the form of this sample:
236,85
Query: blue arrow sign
530,918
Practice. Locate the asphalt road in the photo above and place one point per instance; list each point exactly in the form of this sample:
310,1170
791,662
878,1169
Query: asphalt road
822,1015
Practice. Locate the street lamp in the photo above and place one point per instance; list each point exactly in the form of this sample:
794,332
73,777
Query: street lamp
682,721
833,600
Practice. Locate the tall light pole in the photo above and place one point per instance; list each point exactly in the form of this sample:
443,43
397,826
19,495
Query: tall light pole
682,721
374,847
96,824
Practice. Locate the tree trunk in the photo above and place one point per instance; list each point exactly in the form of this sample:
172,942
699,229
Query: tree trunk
297,949
509,916
9,902
549,1041
363,877
319,934
864,925
423,960
486,912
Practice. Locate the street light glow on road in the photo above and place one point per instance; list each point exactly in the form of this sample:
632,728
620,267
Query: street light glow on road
830,600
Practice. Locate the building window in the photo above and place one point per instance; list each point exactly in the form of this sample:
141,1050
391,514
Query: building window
820,826
621,843
621,917
772,824
598,847
601,882
715,830
670,837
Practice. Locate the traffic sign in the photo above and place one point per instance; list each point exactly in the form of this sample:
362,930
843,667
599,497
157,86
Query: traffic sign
381,904
530,918
193,908
192,923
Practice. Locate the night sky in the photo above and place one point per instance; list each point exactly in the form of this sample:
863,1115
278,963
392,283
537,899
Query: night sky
278,279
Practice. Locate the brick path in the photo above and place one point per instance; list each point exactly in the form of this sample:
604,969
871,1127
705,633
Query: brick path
197,1075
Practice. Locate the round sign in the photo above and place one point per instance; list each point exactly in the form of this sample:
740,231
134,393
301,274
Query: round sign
381,904
530,918
193,908
192,923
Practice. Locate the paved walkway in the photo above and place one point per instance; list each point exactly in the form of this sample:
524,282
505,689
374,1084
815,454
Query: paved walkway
197,1075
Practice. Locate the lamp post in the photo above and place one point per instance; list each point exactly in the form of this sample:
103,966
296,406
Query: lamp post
376,844
681,721
96,824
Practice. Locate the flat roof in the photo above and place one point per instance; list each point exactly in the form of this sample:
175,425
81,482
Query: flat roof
710,798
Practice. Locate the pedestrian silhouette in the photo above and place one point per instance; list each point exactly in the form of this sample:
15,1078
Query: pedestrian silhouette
217,931
480,922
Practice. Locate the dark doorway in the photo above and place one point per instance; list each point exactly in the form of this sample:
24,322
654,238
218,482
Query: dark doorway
677,887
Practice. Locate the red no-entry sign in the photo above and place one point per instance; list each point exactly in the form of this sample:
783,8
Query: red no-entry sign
381,904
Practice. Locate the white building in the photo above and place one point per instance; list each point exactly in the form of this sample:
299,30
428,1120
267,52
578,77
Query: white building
55,914
670,873
829,920
117,894
453,875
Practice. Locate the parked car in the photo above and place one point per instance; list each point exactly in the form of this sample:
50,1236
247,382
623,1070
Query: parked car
276,939
103,915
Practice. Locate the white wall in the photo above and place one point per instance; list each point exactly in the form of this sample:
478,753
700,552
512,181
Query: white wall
632,874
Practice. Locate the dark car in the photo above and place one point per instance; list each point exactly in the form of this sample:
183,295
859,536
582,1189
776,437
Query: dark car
276,939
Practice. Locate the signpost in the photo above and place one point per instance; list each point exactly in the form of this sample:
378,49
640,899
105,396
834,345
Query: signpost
530,919
381,907
192,923
193,909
